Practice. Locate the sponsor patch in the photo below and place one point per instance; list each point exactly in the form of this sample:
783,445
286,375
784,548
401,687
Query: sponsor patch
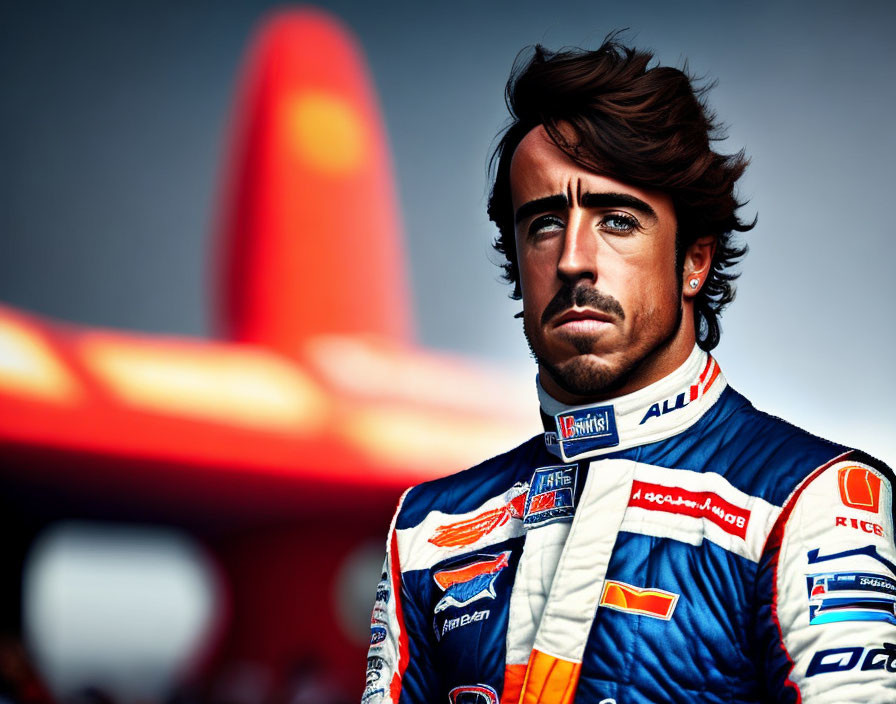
620,596
859,488
844,659
372,695
375,668
471,530
586,429
552,495
473,694
449,624
378,615
851,596
382,589
856,524
468,583
699,504
814,556
377,634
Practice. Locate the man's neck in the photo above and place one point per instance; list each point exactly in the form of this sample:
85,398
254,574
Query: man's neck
648,414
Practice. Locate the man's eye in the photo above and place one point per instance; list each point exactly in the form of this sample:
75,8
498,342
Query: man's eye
617,222
546,225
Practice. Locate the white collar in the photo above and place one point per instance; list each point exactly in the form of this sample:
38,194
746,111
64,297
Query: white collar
656,412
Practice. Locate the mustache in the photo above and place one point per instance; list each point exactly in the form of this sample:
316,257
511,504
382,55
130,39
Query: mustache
582,295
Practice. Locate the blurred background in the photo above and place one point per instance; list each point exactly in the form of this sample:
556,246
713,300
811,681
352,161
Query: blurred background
247,296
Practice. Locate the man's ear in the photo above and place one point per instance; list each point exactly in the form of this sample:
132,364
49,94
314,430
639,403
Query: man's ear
697,265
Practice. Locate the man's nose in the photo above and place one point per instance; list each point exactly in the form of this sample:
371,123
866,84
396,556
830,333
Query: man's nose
578,259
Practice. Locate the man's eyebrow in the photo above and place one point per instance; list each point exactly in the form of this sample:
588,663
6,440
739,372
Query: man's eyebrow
589,200
540,205
617,200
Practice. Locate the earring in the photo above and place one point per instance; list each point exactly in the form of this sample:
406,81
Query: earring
694,283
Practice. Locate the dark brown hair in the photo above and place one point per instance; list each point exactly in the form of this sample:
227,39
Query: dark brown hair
647,126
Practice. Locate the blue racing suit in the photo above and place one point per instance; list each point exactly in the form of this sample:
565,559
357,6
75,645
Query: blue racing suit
672,545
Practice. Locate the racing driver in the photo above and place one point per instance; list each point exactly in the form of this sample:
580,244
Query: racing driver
662,541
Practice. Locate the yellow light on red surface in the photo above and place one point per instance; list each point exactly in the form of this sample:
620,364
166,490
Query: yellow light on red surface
325,131
369,367
401,437
237,385
29,366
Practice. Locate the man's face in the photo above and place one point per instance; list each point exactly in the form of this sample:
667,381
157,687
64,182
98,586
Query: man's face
602,301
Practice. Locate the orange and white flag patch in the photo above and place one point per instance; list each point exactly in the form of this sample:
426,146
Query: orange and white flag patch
620,596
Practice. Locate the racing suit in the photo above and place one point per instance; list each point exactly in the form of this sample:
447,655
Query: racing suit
673,545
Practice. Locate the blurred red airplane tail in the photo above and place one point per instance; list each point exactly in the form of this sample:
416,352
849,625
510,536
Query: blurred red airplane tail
309,231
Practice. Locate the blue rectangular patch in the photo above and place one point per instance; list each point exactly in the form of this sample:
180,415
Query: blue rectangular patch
851,596
586,429
552,495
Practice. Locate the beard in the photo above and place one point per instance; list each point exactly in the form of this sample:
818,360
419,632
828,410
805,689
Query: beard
587,374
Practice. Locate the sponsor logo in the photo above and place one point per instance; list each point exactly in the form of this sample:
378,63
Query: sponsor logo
551,496
620,596
375,667
843,659
471,582
473,694
699,504
671,404
587,429
814,556
372,695
377,635
379,615
382,589
866,526
851,596
471,530
859,488
460,621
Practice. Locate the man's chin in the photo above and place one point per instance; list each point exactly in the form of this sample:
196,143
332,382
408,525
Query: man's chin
586,375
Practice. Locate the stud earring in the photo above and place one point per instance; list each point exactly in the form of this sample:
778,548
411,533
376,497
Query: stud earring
694,283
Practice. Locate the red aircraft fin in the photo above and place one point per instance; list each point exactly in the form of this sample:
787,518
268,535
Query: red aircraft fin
309,226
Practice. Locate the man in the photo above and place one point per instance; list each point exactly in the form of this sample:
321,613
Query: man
663,541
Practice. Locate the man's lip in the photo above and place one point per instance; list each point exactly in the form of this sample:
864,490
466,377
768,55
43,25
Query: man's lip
575,314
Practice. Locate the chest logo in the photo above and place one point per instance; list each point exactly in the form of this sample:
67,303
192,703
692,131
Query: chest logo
699,504
552,495
620,596
471,530
470,582
859,488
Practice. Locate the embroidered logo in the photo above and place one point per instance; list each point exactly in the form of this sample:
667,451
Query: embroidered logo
552,495
856,524
471,530
620,596
851,596
587,429
699,504
470,582
685,397
859,488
